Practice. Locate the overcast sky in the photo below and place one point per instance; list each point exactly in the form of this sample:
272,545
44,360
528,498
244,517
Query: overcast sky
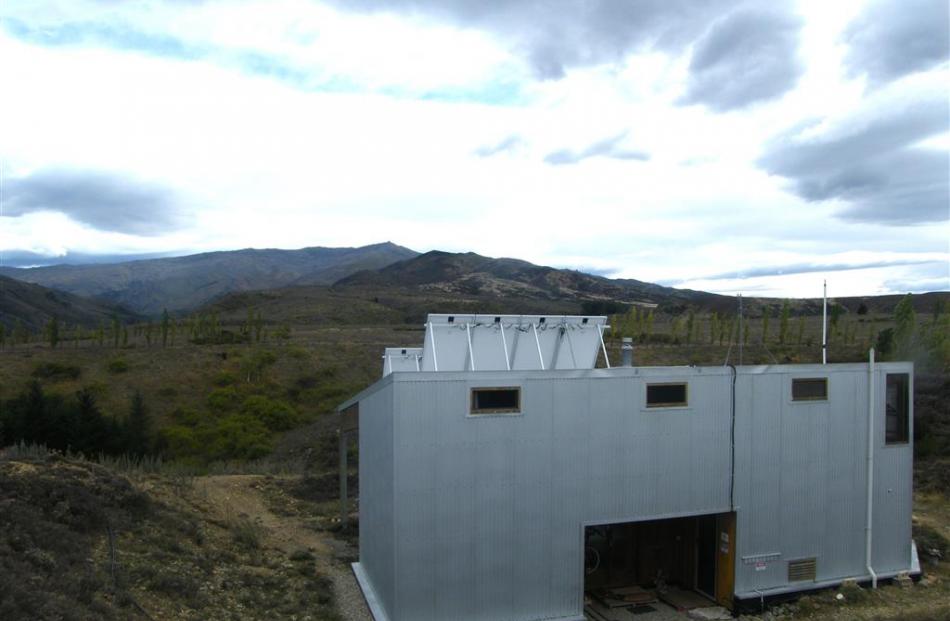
719,145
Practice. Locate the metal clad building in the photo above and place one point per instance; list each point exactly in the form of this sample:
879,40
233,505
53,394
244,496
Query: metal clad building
469,513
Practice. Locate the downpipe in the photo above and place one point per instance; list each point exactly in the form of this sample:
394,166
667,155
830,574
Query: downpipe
868,529
732,443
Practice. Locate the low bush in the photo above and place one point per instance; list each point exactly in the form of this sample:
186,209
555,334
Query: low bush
224,378
55,371
117,365
276,415
246,533
224,400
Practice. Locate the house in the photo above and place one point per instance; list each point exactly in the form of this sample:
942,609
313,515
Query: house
503,475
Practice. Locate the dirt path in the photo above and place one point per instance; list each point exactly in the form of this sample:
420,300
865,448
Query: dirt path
231,497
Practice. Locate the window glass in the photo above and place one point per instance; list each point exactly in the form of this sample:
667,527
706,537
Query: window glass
810,389
896,410
496,400
666,395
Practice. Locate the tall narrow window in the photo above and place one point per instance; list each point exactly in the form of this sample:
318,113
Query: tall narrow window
505,400
810,389
667,395
896,409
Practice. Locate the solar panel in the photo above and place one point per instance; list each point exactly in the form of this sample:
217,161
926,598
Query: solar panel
511,342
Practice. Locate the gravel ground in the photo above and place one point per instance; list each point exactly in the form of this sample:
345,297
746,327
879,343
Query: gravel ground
349,598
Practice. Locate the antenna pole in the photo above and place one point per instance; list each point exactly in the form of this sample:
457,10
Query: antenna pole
824,323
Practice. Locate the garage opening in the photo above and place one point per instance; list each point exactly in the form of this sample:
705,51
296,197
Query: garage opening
633,568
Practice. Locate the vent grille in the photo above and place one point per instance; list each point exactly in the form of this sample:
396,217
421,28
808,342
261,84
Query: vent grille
802,570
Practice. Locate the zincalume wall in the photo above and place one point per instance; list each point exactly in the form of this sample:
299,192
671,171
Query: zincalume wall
482,517
489,510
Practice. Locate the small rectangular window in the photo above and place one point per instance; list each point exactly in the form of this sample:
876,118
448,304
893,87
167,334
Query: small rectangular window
810,389
505,400
896,410
666,395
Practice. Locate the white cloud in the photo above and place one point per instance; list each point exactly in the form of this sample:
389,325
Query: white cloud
354,128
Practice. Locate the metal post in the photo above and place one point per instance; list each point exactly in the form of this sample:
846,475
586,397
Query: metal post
603,346
435,358
343,473
471,352
537,341
504,343
824,323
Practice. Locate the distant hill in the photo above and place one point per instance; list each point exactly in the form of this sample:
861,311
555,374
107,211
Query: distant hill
185,283
475,275
34,305
465,282
438,281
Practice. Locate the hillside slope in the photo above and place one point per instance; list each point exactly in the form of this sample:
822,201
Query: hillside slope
184,283
468,273
82,541
34,305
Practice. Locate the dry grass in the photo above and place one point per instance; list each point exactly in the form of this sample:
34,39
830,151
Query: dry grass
78,541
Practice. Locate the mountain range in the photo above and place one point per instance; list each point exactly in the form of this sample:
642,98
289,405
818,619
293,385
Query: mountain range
380,283
33,306
182,284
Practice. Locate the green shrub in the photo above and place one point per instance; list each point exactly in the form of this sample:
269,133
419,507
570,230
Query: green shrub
301,554
55,371
237,436
931,544
179,441
298,353
224,399
276,415
186,416
224,378
117,365
246,533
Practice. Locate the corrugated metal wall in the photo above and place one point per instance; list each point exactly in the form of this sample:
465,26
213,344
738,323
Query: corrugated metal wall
377,538
488,512
801,483
489,509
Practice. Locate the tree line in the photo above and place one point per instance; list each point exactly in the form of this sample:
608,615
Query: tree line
925,341
75,424
197,328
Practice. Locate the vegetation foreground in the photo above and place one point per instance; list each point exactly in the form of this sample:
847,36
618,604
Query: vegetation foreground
208,487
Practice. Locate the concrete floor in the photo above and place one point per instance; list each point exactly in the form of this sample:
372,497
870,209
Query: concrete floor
661,612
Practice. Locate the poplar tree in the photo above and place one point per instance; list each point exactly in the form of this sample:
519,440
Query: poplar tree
783,323
765,324
690,325
166,321
905,323
17,335
137,426
52,332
